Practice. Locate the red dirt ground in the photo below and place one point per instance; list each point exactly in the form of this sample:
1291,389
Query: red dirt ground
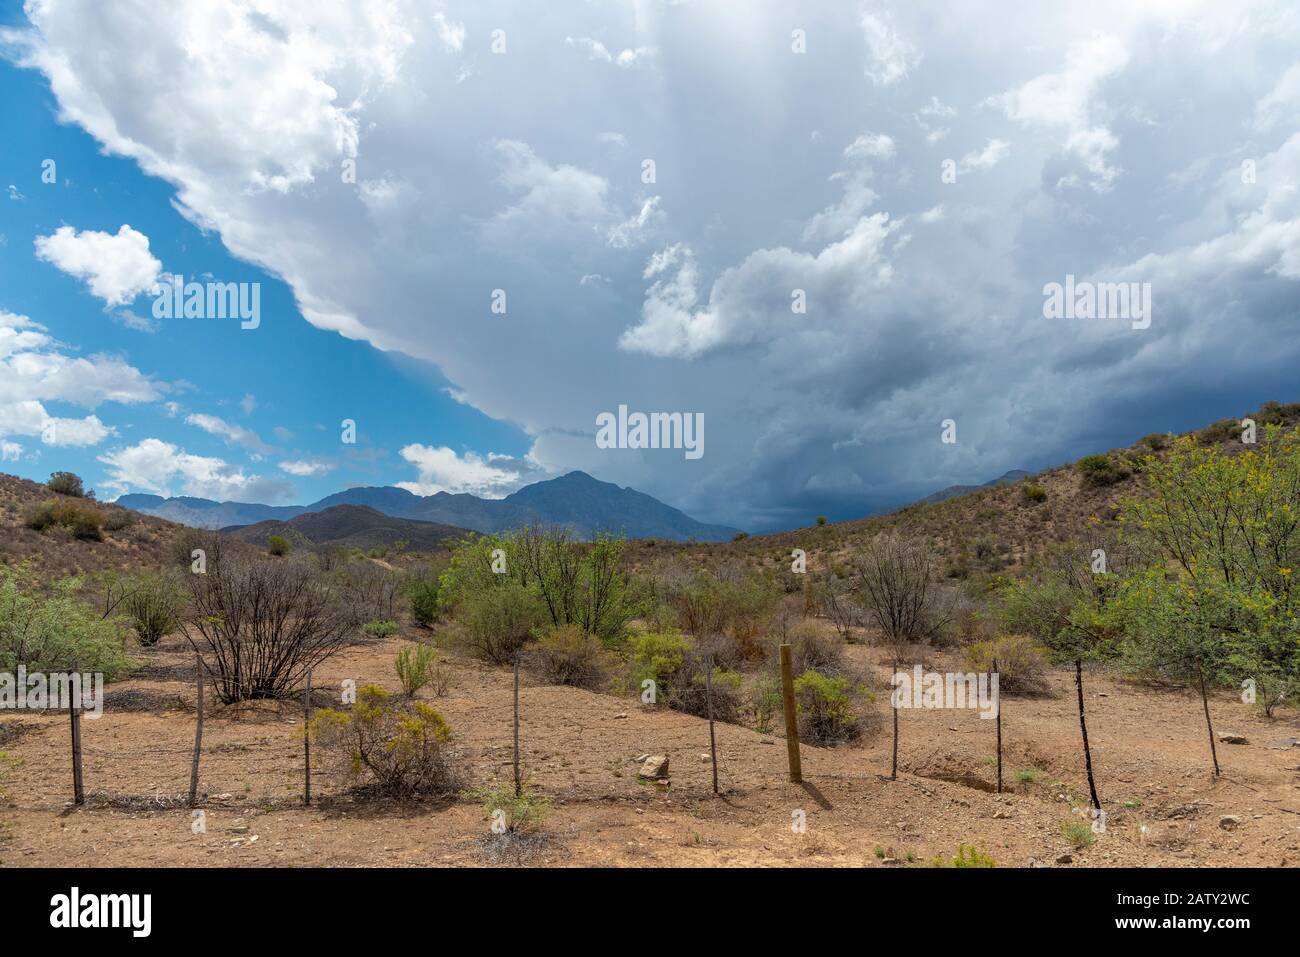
1150,752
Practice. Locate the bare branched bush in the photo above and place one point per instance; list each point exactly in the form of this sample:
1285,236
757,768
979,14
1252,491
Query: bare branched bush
261,625
895,584
840,608
373,590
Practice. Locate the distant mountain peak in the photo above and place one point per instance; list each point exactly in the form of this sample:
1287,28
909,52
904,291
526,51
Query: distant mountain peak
575,499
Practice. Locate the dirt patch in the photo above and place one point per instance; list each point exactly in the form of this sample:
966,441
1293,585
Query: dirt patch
578,750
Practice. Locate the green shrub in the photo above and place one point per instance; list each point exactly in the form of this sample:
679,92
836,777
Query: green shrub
658,656
418,666
511,813
495,623
379,629
278,545
117,519
47,629
66,483
968,855
1022,663
84,521
1102,470
388,744
826,708
153,605
821,519
423,595
1033,494
567,656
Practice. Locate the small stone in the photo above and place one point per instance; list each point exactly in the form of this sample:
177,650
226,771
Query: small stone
620,716
239,829
1000,815
1230,738
1065,859
1230,822
641,758
705,757
654,766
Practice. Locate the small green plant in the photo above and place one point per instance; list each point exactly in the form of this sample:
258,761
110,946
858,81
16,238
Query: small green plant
1033,494
415,666
278,545
765,701
880,852
821,519
1102,470
1029,776
968,855
1132,804
1077,833
380,629
508,813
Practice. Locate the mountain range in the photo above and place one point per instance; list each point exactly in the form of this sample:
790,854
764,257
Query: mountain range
350,526
577,500
952,491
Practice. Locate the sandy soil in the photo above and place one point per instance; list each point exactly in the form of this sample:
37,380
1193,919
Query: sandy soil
1150,751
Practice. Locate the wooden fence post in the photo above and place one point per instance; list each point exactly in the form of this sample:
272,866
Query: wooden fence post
74,711
198,734
519,786
306,741
713,741
998,703
791,723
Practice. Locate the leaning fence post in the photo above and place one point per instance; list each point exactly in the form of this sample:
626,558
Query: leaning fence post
791,724
306,741
998,704
198,733
74,711
713,741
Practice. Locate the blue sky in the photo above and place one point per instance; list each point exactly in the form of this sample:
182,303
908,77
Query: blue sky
303,381
917,174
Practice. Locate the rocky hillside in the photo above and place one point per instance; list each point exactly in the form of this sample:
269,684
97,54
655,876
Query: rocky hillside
995,528
130,541
351,526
